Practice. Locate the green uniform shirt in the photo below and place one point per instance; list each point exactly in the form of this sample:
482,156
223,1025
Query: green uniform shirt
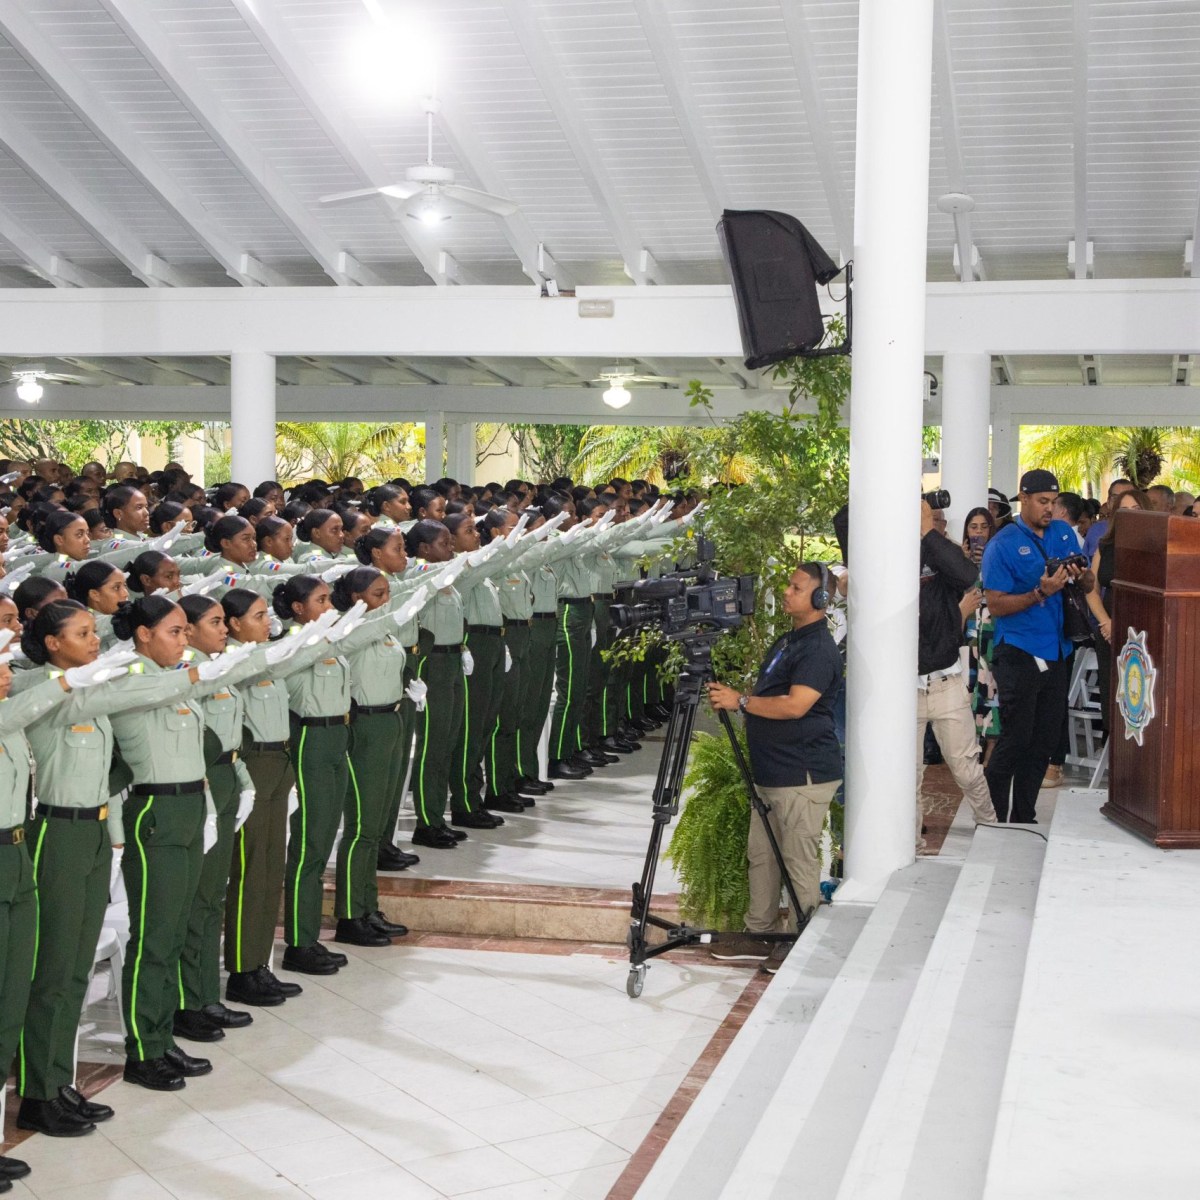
164,744
16,713
321,688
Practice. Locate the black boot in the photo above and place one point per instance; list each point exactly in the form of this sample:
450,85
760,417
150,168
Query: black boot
193,1026
226,1018
157,1074
308,960
87,1109
392,929
185,1064
53,1118
246,987
357,931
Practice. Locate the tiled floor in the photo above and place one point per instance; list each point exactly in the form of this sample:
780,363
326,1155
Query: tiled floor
419,1071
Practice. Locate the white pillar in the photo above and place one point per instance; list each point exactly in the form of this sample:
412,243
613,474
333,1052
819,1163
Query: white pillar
252,416
966,414
460,451
434,443
891,209
1006,453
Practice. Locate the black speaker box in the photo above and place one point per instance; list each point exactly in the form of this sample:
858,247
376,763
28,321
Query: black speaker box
776,265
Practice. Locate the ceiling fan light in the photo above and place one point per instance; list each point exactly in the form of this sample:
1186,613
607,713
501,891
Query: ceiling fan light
28,389
430,212
617,395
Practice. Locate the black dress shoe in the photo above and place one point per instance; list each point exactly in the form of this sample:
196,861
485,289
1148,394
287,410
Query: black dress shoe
54,1118
437,837
186,1065
567,770
193,1026
245,987
476,820
544,784
308,960
285,989
392,929
578,760
659,712
409,860
157,1074
89,1110
334,955
597,758
508,804
357,931
526,801
643,724
533,787
226,1018
390,861
616,745
12,1168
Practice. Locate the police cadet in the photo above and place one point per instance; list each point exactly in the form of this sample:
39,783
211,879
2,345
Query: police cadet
102,589
126,513
389,505
164,821
18,896
319,697
319,536
376,658
72,833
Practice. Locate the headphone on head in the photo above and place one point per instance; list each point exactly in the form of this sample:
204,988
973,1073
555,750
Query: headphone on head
821,594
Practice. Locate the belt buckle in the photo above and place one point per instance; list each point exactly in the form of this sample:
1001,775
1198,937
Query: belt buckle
18,835
234,753
345,718
103,813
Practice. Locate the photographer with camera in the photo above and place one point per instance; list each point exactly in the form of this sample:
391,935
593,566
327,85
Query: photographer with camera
795,758
1025,568
942,700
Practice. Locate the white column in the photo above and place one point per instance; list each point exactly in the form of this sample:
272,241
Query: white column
252,416
460,451
966,414
1006,452
434,443
891,209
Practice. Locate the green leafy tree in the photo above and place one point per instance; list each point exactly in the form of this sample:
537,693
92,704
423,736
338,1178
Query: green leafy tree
77,442
547,451
333,450
1084,456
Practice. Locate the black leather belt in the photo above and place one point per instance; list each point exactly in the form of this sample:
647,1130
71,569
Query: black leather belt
455,649
168,789
99,813
526,621
371,710
602,597
321,722
263,746
12,837
498,630
225,758
544,617
574,599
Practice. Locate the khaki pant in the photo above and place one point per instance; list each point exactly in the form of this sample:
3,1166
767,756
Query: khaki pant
947,707
797,818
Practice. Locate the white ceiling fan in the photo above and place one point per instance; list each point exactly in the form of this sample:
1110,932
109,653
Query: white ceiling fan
617,394
426,188
28,378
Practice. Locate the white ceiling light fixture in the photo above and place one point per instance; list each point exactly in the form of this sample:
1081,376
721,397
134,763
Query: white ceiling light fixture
428,188
29,385
617,395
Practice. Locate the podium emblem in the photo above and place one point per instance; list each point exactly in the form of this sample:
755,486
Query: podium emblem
1136,674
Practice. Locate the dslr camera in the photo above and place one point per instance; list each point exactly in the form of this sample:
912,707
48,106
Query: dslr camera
937,499
1072,560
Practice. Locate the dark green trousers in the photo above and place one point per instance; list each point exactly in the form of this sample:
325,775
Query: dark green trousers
600,718
200,963
72,862
256,874
408,721
538,687
501,758
481,702
319,760
374,753
164,851
572,652
18,932
437,732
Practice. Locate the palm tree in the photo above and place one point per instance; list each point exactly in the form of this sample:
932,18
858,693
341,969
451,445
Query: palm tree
657,453
1082,456
336,449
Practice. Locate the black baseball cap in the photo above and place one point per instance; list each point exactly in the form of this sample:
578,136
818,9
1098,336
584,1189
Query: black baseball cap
1033,482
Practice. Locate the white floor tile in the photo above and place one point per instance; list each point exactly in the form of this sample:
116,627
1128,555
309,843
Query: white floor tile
609,1102
169,1148
470,1170
130,1187
309,1162
242,1175
628,1133
592,1183
380,1183
268,1130
87,1159
504,1122
569,1150
531,1189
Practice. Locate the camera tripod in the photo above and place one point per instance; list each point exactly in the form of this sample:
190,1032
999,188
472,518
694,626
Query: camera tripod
689,690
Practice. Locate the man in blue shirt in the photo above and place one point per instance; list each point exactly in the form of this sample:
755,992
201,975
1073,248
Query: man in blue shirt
1032,657
1116,490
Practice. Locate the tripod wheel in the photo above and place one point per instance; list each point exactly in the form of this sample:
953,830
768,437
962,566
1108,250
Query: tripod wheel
634,982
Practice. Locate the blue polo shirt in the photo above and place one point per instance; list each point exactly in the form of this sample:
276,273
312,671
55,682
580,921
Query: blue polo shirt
1014,562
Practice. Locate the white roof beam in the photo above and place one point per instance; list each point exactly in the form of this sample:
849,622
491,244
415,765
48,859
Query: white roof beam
15,277
135,18
26,148
1082,27
92,109
656,24
800,40
543,60
506,372
269,27
943,78
42,261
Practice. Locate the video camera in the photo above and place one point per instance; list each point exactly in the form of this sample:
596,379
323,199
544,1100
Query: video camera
1071,560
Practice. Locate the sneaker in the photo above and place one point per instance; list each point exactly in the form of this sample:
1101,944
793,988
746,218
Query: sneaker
773,961
740,947
1053,777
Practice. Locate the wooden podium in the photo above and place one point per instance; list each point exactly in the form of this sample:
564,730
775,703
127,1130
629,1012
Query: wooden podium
1154,737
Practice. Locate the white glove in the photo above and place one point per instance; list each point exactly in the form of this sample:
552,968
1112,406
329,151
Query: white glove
293,801
5,659
14,578
11,477
412,605
517,529
476,558
606,520
663,515
245,804
22,552
576,532
204,585
6,636
468,661
337,570
210,831
224,663
351,620
448,577
107,666
168,539
274,626
548,527
416,692
230,512
283,649
687,520
507,661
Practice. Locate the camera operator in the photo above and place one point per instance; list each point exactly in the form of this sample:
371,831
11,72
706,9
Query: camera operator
942,700
1025,568
794,756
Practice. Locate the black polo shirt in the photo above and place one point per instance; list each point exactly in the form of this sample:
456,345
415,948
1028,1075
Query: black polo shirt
787,753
